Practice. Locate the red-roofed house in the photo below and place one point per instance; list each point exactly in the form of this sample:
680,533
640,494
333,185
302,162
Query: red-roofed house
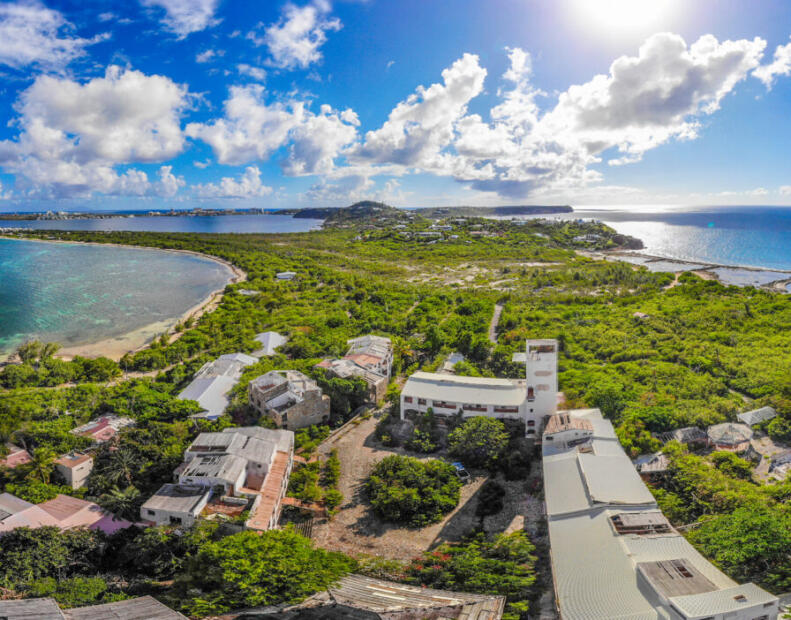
16,456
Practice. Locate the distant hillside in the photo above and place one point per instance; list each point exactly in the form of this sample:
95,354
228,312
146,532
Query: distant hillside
368,209
442,212
363,210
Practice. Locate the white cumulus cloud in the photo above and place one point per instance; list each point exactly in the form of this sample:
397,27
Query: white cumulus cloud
253,129
295,40
72,134
780,65
248,185
32,34
184,17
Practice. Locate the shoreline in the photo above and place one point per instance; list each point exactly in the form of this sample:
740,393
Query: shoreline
702,269
138,339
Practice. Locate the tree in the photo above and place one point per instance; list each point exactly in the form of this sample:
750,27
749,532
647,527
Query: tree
479,441
750,544
407,490
253,568
43,463
503,565
123,504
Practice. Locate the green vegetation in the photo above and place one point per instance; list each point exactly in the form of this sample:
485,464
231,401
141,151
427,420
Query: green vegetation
250,569
503,565
479,441
692,355
414,492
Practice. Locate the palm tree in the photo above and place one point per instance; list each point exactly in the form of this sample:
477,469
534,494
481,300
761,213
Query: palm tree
43,463
123,465
123,504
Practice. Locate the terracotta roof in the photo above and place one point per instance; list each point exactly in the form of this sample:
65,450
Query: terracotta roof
16,456
72,460
270,493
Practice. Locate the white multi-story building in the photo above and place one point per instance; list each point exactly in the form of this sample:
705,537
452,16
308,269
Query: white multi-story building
530,400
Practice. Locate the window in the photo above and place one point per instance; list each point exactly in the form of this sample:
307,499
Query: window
531,394
407,399
532,432
531,422
175,520
151,513
421,401
549,438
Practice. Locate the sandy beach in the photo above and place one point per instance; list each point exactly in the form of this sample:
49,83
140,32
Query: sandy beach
115,348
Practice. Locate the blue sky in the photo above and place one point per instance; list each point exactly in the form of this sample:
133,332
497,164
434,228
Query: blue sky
229,103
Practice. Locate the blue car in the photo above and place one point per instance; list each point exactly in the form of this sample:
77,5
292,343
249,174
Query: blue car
462,473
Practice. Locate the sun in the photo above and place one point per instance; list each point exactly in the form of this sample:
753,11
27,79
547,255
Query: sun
623,15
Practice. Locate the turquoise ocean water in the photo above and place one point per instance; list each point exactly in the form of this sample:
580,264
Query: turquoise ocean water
76,294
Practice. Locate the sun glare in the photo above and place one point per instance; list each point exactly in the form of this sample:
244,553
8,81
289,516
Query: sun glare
623,15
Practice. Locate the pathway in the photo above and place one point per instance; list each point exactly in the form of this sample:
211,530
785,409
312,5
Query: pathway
498,310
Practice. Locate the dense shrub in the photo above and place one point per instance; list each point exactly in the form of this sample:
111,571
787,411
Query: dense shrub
479,441
503,565
406,490
490,500
258,568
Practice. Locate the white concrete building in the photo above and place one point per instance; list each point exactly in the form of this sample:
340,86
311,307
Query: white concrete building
374,353
530,400
176,504
245,462
75,468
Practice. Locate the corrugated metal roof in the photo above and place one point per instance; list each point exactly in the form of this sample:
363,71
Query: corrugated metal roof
722,601
211,394
472,390
757,416
142,608
564,489
729,433
269,342
282,439
594,567
613,480
31,609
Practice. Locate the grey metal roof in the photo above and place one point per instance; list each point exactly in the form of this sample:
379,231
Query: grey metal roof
221,466
756,416
31,609
613,480
211,394
177,498
142,608
473,390
729,433
594,567
269,342
564,489
248,445
344,369
722,601
282,439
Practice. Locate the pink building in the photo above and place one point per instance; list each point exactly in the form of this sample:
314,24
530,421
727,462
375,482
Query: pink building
16,456
64,512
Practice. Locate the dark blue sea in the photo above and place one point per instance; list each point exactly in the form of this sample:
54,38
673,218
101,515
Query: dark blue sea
188,224
746,236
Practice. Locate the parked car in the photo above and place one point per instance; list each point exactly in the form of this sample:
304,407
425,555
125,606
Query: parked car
462,473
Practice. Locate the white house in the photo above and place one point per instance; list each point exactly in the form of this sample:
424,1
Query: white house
211,384
530,400
75,468
269,342
246,462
